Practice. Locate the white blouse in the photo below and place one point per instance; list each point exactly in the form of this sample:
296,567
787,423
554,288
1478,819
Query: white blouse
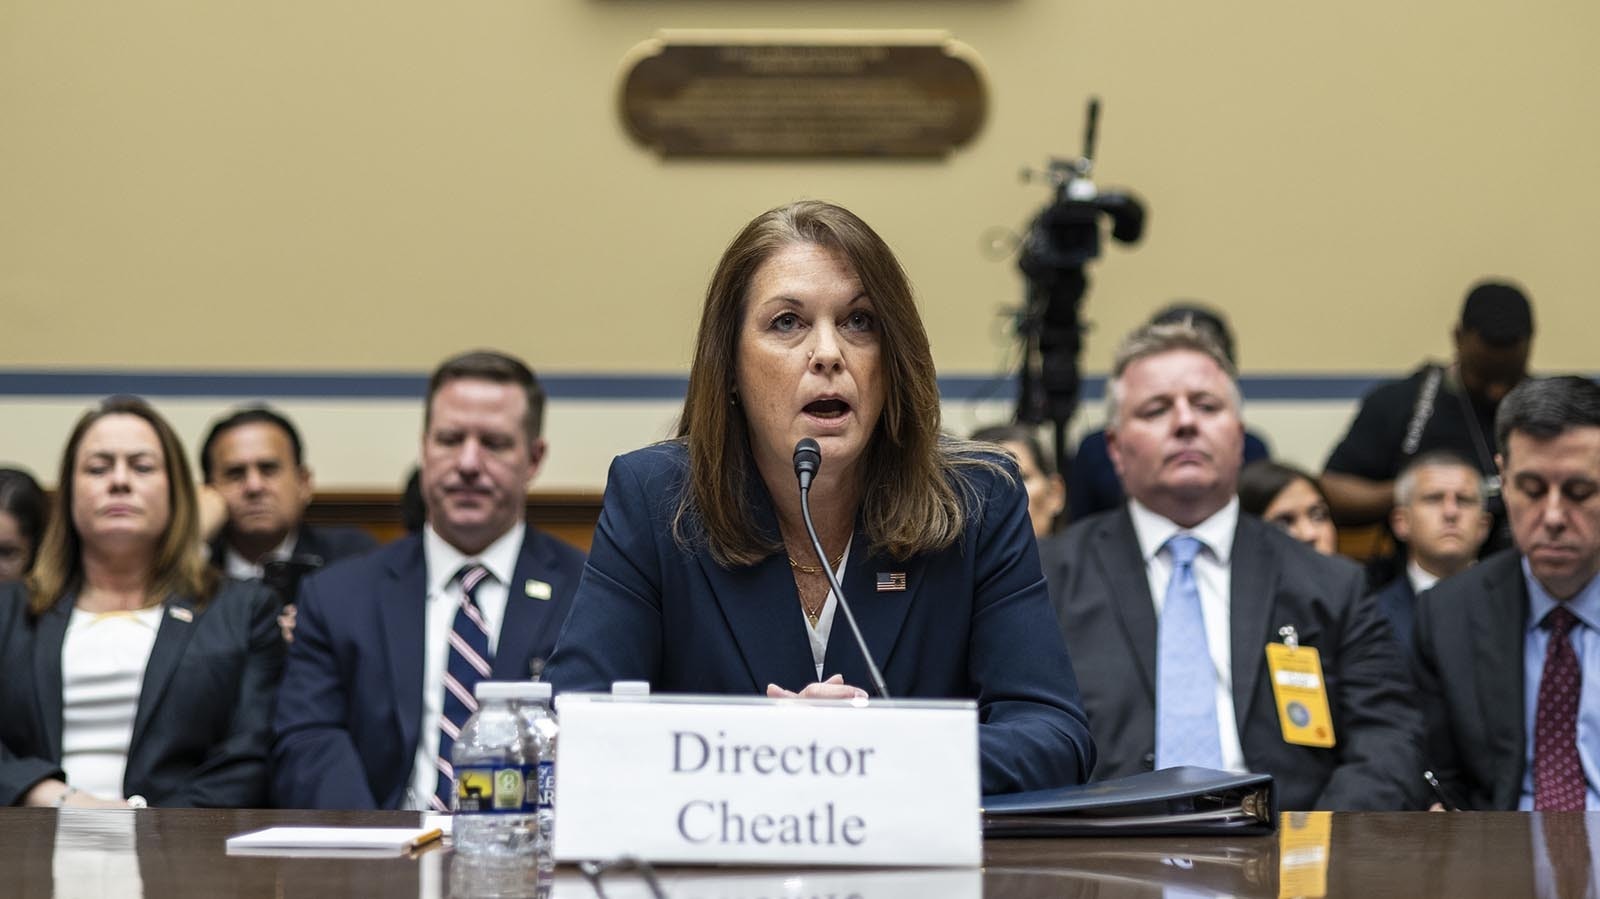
820,631
103,658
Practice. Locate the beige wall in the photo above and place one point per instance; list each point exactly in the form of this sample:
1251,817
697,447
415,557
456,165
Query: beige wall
370,185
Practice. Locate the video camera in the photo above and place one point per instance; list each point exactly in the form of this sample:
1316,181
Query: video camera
1061,240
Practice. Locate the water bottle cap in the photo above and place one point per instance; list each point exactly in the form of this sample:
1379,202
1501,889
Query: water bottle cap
491,690
630,688
538,690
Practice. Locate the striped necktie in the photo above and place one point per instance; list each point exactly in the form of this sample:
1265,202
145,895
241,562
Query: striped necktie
1186,681
468,663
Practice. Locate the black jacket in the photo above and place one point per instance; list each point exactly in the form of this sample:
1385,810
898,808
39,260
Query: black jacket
203,731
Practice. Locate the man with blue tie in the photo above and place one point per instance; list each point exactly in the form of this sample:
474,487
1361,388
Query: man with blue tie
389,646
1508,652
1169,605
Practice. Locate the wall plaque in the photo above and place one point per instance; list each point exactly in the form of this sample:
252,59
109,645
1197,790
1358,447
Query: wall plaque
802,93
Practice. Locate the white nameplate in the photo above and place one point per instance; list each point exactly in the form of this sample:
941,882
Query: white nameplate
719,780
699,883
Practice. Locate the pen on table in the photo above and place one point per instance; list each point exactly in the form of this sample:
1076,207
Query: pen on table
1439,793
432,836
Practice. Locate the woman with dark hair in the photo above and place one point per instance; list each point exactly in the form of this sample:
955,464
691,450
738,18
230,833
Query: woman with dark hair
127,674
1047,493
702,577
1285,496
21,522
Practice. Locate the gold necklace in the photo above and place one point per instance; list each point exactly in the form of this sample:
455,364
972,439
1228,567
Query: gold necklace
816,569
814,615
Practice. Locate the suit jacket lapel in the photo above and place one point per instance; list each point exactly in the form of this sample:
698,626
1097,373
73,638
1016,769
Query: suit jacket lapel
880,614
529,622
172,637
762,607
1252,585
1497,618
1122,567
52,631
402,608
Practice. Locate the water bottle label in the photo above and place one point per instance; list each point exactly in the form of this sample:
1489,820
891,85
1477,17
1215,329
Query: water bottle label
501,789
547,785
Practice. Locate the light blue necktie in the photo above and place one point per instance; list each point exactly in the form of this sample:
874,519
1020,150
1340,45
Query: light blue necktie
1186,683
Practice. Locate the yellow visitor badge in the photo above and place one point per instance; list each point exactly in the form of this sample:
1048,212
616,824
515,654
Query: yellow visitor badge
1300,691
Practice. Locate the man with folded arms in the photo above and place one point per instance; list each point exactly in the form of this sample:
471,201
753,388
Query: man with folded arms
389,646
1508,652
1171,603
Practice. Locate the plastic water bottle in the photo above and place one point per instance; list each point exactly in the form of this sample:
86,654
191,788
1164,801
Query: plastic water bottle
540,727
496,812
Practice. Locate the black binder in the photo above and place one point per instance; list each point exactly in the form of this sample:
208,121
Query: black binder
1169,802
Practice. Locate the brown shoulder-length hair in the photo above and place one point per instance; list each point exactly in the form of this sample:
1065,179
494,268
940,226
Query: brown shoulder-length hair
910,503
178,566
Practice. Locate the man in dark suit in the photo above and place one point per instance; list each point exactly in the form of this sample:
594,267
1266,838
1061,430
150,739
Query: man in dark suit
389,645
1440,519
1507,652
258,488
1169,603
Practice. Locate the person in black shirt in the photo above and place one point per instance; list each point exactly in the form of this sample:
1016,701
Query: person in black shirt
1448,407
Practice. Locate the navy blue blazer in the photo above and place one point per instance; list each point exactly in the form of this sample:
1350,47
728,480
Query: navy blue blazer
1398,602
350,709
203,729
974,621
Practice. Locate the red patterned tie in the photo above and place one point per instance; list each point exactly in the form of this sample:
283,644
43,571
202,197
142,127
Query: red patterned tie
1558,784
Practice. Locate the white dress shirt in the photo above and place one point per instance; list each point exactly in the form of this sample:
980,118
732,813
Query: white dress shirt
103,657
1213,573
443,561
1420,580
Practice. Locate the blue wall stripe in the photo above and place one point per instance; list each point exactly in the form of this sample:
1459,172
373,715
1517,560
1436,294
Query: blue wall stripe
588,387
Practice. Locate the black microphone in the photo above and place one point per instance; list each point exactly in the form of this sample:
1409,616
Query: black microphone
807,459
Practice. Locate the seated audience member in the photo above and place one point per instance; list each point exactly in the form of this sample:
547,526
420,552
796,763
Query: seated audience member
1047,493
1290,500
22,506
1440,521
1507,653
1168,604
1092,484
253,461
128,673
1449,407
702,577
390,645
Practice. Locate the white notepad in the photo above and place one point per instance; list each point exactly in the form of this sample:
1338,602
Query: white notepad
331,841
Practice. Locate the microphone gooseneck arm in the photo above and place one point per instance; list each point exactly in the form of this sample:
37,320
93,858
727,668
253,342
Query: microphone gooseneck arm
807,459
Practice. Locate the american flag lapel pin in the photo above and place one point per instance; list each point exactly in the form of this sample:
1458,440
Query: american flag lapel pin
181,614
891,581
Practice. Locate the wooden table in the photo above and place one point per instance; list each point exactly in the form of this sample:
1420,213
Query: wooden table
171,852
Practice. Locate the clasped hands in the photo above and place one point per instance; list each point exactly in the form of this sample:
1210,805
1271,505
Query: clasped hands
56,793
832,688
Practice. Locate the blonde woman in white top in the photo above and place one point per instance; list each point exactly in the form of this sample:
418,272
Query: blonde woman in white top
128,674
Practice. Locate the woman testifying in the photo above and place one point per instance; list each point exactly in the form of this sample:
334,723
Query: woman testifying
702,578
126,675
